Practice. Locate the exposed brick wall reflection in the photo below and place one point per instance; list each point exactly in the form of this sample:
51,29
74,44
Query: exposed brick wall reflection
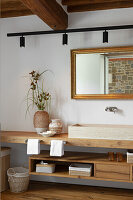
121,73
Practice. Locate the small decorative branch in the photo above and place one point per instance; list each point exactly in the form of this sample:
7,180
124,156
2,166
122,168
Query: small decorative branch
36,95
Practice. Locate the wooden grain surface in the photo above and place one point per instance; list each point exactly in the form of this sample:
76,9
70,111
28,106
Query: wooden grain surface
86,2
79,157
49,11
110,171
4,166
99,5
56,191
21,137
103,168
14,8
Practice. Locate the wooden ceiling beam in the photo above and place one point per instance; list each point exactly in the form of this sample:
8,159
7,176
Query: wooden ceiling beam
85,2
16,13
49,11
13,8
100,6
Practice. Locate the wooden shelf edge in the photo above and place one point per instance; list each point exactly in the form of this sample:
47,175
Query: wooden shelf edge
66,175
21,137
81,157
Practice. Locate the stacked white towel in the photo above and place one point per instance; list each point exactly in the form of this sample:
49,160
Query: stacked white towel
33,146
57,148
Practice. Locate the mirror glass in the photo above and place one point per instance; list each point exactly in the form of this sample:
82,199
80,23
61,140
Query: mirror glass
89,74
102,73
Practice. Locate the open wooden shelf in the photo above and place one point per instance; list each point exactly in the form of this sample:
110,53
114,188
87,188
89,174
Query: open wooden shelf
63,174
78,157
103,168
66,175
21,137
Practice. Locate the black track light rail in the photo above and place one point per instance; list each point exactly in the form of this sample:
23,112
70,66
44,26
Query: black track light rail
78,30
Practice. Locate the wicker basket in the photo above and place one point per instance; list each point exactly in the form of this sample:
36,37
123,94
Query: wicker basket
18,179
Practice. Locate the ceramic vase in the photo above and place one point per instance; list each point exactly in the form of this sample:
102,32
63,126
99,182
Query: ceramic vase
41,121
56,125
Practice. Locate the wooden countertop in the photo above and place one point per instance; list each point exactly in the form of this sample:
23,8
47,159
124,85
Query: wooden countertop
21,137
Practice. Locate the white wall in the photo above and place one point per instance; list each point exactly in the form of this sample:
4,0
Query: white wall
88,76
47,51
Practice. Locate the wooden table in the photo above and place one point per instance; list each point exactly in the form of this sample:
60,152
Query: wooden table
21,137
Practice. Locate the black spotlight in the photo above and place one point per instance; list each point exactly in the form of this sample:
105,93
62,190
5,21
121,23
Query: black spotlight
22,41
105,37
65,39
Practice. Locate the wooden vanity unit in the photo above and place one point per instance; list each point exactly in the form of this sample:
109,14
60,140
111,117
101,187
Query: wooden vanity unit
103,169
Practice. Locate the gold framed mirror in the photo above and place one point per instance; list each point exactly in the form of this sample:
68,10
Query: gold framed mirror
102,73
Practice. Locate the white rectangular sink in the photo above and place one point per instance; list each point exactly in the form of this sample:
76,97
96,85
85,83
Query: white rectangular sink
101,131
